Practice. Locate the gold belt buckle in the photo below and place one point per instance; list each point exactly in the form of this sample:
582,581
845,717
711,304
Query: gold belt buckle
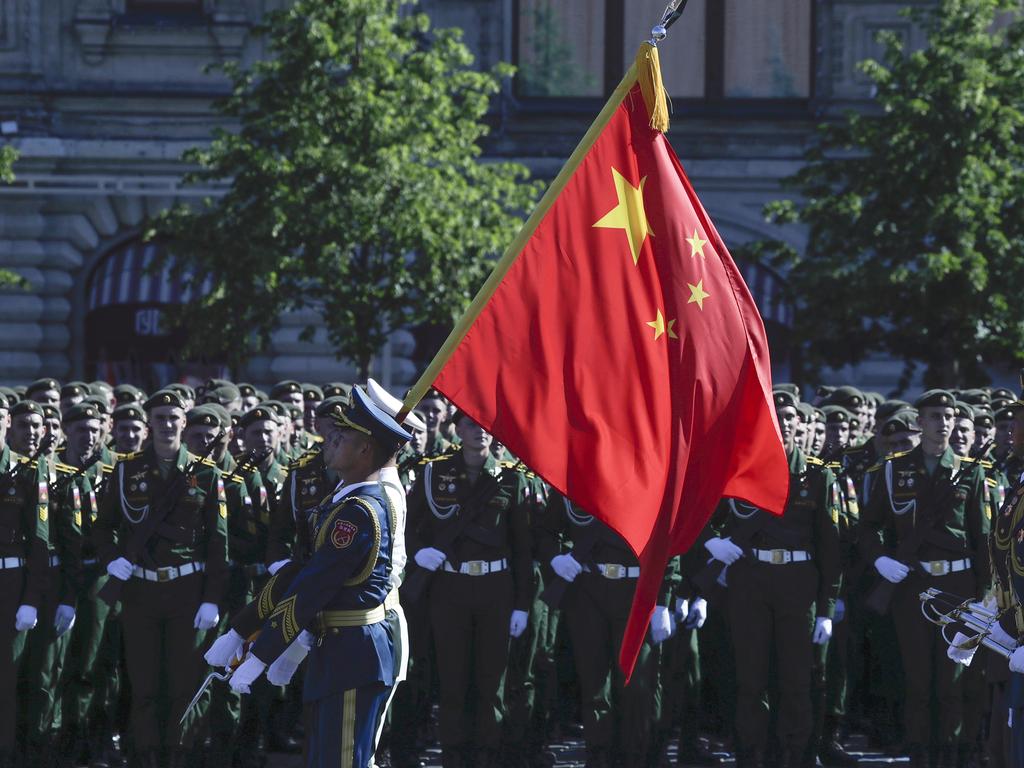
476,567
938,567
163,574
778,556
613,571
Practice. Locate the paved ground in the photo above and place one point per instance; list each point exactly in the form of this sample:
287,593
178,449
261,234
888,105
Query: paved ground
569,754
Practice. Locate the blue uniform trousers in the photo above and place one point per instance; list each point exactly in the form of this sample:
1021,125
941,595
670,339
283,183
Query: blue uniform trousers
341,728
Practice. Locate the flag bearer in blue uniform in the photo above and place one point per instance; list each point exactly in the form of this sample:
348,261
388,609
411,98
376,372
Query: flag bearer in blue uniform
334,609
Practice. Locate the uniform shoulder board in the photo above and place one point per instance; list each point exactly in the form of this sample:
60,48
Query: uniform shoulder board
233,478
833,465
815,461
431,459
876,466
991,482
317,439
304,458
208,462
986,464
67,469
892,456
969,459
128,456
853,450
107,468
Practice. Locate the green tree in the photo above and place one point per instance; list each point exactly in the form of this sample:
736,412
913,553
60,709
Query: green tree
8,279
356,186
915,211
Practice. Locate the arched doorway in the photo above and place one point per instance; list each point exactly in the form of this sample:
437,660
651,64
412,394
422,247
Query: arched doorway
127,334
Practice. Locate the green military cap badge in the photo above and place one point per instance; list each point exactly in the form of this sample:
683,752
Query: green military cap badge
126,393
983,416
75,389
102,404
277,408
50,412
100,388
900,422
784,399
259,413
337,389
81,412
42,385
1003,394
204,416
24,407
786,386
294,411
975,397
331,406
888,408
129,412
1009,411
935,398
184,391
312,393
223,394
165,397
836,414
246,390
286,387
963,411
806,411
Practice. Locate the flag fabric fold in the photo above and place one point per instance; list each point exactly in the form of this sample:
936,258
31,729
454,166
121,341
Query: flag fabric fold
621,356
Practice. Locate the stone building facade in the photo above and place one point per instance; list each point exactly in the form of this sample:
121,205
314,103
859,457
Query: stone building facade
107,94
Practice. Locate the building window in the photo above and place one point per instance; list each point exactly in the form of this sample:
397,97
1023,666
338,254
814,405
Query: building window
164,7
734,49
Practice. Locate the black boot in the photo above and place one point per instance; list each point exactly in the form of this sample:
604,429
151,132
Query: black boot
832,752
695,753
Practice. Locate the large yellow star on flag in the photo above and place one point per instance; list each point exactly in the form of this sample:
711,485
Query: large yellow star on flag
697,294
696,244
628,214
661,327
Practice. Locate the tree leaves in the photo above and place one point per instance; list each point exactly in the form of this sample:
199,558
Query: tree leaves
356,185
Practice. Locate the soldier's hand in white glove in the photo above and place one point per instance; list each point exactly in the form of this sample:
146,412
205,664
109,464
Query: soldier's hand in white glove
697,614
1001,636
661,624
1017,661
566,567
25,618
961,655
430,558
822,630
246,674
224,649
281,671
723,550
517,624
206,617
276,566
64,619
891,570
120,569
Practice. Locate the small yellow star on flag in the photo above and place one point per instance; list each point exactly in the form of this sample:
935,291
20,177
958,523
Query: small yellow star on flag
661,328
697,294
628,214
696,244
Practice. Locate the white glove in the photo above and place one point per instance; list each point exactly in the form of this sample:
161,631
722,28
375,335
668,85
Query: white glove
566,567
281,671
517,625
961,655
120,569
723,550
206,617
246,674
891,570
64,619
276,566
1000,635
430,558
1017,661
224,649
661,624
840,611
822,630
25,618
697,615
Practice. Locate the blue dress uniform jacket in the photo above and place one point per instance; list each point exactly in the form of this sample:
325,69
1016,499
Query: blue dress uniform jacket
339,597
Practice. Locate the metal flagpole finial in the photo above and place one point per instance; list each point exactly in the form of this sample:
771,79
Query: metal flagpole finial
672,13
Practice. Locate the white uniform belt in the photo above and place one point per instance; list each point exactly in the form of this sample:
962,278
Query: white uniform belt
170,573
54,561
782,556
391,601
942,567
478,567
7,563
615,570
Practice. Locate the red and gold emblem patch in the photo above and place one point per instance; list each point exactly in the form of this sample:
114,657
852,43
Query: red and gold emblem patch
344,533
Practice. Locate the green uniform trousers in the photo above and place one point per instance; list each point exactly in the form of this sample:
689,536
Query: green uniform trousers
772,607
618,720
470,618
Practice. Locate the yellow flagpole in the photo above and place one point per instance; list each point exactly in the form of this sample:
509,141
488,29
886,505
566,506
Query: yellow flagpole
646,70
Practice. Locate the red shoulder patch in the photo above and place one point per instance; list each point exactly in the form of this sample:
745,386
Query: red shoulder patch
344,533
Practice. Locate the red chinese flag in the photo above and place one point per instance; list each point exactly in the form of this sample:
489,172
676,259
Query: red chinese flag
622,357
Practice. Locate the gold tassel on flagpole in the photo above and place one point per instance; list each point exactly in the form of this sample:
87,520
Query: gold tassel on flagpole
648,72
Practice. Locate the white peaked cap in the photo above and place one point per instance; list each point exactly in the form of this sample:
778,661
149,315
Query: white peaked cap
391,404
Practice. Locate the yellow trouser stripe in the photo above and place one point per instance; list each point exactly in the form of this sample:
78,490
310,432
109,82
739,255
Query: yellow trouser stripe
348,729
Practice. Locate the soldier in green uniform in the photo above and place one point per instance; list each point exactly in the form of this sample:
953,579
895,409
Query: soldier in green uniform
44,392
130,429
249,397
925,525
24,570
72,394
287,391
434,407
92,661
312,396
172,589
126,394
601,569
468,523
781,594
